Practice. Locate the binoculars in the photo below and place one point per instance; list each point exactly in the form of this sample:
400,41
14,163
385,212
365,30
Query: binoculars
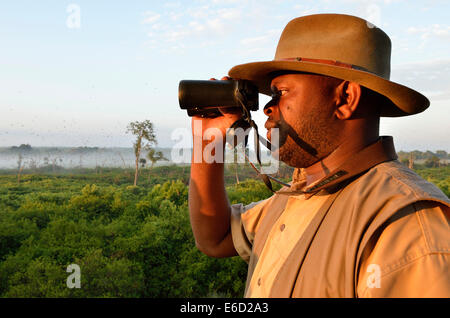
203,98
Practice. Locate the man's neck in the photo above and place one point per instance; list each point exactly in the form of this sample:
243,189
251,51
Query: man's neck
336,158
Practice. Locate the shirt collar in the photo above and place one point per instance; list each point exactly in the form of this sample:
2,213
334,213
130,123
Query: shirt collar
338,170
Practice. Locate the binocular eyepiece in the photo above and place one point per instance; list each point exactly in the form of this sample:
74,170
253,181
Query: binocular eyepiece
203,98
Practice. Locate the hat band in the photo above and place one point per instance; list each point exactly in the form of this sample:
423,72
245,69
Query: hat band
329,62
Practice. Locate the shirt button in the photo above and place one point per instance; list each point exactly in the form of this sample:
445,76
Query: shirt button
259,281
282,227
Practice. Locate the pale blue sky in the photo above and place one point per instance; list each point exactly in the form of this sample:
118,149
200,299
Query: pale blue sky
62,86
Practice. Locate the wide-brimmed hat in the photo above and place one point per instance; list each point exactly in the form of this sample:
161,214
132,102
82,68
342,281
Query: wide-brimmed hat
341,46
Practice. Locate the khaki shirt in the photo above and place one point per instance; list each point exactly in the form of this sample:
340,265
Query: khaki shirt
408,255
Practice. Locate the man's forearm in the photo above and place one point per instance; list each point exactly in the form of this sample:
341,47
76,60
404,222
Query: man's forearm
209,209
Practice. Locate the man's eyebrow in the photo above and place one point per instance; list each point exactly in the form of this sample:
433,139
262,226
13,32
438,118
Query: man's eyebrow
273,89
275,83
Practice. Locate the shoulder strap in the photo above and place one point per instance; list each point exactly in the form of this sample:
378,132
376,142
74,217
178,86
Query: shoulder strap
287,276
275,209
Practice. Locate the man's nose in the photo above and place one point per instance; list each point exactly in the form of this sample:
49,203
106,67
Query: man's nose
269,108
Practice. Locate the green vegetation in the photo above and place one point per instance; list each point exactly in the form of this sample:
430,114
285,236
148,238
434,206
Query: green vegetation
438,176
129,241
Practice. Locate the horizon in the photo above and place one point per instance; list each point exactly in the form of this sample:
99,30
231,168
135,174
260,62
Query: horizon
124,157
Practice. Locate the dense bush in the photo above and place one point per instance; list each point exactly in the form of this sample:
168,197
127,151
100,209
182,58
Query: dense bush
128,241
439,176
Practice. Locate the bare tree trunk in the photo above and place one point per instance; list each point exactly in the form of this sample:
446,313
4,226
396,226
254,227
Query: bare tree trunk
138,154
19,174
20,166
411,161
136,172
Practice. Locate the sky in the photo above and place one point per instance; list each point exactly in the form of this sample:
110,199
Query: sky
75,73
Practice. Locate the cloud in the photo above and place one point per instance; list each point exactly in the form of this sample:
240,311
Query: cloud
436,33
229,13
268,36
150,17
172,36
435,30
432,78
305,9
254,40
174,16
226,1
386,2
193,25
172,5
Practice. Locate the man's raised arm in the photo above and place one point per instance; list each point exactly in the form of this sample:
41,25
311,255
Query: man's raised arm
208,202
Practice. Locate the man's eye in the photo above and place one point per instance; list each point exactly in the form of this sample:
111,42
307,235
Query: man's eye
277,93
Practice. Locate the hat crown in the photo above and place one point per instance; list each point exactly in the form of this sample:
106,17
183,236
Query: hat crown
337,37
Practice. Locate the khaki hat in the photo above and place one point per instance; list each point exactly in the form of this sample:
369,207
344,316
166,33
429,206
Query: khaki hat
341,46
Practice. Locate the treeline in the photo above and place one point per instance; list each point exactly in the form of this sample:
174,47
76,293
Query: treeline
417,159
423,155
27,149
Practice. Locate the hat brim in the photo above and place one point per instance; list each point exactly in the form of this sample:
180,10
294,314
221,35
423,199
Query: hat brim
404,101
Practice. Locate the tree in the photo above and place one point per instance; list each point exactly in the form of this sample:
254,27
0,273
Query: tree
442,154
432,162
22,148
155,156
145,139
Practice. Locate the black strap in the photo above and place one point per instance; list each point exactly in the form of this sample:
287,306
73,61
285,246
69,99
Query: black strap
246,122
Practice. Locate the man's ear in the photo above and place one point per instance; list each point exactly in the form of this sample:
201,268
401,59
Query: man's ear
349,94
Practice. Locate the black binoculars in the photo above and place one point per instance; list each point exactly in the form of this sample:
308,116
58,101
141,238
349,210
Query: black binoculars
203,98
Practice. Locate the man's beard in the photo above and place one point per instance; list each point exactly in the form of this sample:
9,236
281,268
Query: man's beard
306,143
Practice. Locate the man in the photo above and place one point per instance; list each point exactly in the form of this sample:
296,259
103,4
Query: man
354,222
